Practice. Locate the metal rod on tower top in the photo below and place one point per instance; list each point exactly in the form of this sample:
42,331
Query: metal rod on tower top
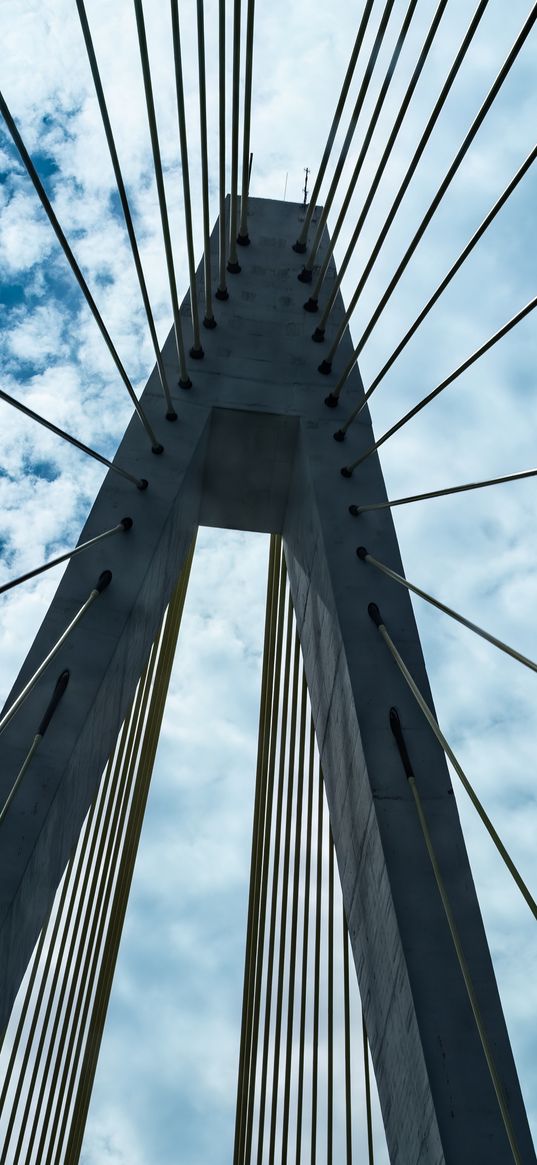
305,191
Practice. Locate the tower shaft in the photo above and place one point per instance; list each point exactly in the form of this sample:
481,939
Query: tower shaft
253,450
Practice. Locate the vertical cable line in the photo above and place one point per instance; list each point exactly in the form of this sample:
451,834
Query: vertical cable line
243,236
54,956
209,320
184,380
29,990
330,1006
275,663
317,970
411,169
233,265
294,921
167,646
83,955
101,938
284,895
312,303
260,825
367,1089
47,207
275,880
86,32
444,186
108,836
305,275
300,245
455,267
368,135
42,972
81,863
222,291
305,942
272,740
185,171
347,1027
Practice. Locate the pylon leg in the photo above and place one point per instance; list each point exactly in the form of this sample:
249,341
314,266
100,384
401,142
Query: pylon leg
253,449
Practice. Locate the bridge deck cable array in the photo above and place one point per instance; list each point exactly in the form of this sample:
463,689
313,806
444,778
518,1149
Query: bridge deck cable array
312,303
412,167
296,929
442,189
296,969
86,32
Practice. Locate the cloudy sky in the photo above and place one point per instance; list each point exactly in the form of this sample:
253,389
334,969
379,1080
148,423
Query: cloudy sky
168,1057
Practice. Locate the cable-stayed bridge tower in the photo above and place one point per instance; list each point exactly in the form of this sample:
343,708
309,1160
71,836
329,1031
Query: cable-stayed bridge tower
244,439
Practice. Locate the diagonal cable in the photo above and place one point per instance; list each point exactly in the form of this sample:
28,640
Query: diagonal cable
442,189
140,483
185,173
184,379
455,267
86,31
300,245
305,275
365,556
243,237
209,320
492,340
366,142
312,303
47,207
442,493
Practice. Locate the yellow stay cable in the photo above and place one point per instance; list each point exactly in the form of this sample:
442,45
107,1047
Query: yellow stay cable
145,767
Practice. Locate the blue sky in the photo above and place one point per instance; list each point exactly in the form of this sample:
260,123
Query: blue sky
478,553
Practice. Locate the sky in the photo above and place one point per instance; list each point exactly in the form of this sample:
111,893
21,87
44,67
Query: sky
476,552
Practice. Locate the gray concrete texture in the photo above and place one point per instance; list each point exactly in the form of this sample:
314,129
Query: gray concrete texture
252,449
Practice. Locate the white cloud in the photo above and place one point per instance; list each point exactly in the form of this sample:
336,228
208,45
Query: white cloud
477,552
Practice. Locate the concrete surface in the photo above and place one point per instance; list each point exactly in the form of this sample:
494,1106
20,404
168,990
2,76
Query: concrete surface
253,449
